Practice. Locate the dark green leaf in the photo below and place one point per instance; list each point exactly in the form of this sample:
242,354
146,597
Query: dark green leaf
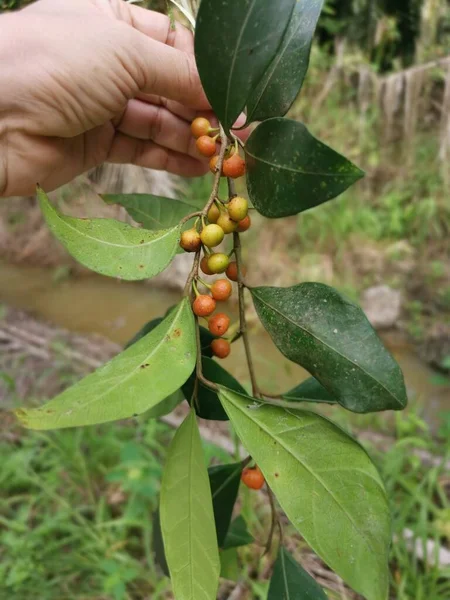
229,564
317,328
310,390
110,247
238,534
224,481
235,41
283,79
326,484
153,212
289,170
290,581
209,406
131,383
158,544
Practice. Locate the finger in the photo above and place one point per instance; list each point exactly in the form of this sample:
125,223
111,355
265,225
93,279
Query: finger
127,150
186,113
149,122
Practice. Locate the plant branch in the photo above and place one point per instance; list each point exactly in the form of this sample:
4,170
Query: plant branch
190,216
218,174
194,271
243,321
273,523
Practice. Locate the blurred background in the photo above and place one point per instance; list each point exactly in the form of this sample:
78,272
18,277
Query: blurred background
76,507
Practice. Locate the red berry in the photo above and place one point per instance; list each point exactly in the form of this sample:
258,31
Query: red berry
234,166
253,478
206,145
200,126
244,224
232,271
204,305
221,289
190,240
220,348
204,266
218,324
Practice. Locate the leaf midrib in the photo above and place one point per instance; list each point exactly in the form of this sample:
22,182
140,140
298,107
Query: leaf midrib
357,365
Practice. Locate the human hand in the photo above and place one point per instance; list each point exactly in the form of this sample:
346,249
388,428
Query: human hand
90,81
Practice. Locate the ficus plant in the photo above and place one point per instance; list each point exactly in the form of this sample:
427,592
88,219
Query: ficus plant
252,57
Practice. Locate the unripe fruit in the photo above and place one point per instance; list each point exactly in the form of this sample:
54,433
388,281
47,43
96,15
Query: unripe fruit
221,289
200,126
226,223
190,240
244,224
253,478
204,266
213,213
206,145
218,263
212,235
204,305
234,166
238,208
213,164
218,324
220,348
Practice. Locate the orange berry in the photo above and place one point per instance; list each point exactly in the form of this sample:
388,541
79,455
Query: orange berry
232,271
226,223
204,305
221,289
234,166
218,324
204,266
253,478
244,224
218,262
213,164
237,208
200,126
213,213
206,145
220,348
212,235
190,240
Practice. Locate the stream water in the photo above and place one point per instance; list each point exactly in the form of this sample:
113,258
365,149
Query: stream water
115,309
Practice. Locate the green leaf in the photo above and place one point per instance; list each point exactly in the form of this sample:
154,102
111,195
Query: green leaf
224,481
110,247
238,534
129,384
326,484
149,326
283,79
235,41
187,519
290,581
166,406
289,170
208,405
316,327
229,564
153,212
310,390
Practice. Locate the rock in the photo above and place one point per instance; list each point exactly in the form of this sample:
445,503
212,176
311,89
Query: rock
382,306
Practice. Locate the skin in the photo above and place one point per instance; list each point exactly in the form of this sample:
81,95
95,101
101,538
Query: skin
90,81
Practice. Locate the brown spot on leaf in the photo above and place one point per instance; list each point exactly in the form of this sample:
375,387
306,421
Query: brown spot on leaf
141,266
142,242
177,333
145,365
276,474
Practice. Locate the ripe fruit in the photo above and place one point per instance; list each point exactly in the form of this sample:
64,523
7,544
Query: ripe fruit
238,208
218,263
218,324
213,164
213,213
220,348
253,478
212,235
244,224
204,266
200,126
190,240
234,166
204,305
221,289
206,145
226,223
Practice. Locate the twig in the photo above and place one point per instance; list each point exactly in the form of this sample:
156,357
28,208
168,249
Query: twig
274,521
198,368
215,189
188,287
191,216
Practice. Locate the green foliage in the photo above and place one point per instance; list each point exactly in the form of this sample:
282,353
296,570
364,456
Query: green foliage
290,580
310,390
289,171
110,247
224,481
316,327
187,518
234,44
238,534
128,385
306,476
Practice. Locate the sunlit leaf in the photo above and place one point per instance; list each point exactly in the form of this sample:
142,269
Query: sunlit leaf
187,519
290,581
129,384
